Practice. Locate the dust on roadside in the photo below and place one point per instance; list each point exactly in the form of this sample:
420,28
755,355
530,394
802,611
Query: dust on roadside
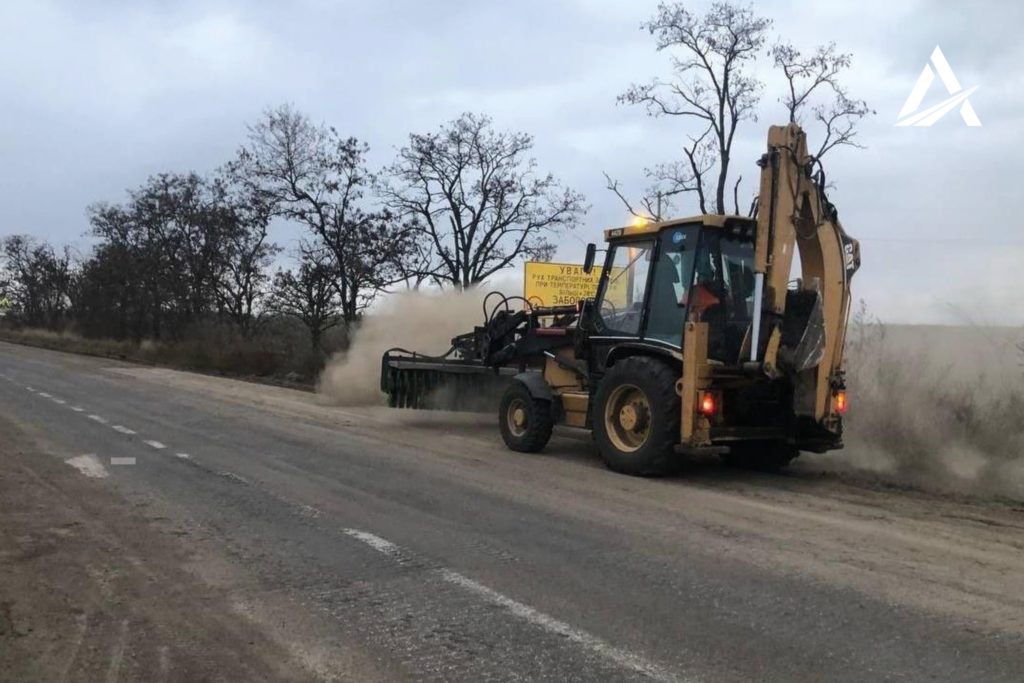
424,322
934,407
90,590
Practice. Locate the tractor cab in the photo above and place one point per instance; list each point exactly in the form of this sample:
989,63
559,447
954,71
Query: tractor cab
659,276
695,343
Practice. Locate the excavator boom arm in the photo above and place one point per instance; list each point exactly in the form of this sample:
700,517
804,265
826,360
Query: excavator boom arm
795,216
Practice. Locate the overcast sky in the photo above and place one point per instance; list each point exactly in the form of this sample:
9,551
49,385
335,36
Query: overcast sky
101,93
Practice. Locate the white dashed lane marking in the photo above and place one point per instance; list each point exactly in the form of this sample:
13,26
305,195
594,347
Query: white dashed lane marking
88,464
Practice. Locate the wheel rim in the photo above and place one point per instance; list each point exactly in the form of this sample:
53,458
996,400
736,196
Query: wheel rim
627,418
516,417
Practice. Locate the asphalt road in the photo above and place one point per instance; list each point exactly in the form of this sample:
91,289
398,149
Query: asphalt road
370,544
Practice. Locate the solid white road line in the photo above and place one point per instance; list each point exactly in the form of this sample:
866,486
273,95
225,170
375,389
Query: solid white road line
123,429
623,658
122,461
155,444
620,657
97,418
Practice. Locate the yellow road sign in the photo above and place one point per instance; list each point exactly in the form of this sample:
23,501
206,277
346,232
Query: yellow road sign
560,284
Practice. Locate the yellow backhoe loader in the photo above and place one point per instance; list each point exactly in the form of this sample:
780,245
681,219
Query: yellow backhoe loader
696,341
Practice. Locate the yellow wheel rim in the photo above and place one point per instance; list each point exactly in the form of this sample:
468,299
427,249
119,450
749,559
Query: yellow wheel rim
627,418
515,417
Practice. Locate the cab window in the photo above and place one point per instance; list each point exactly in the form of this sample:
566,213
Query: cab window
672,280
624,288
723,292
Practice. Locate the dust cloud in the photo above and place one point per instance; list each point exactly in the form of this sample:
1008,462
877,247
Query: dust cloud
424,322
935,407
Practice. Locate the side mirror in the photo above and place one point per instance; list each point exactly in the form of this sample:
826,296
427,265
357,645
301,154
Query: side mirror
588,260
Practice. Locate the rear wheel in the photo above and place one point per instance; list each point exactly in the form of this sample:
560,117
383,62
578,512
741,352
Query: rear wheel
763,456
636,416
525,422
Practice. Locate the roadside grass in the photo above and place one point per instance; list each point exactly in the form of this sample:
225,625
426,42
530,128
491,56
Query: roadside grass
73,343
274,355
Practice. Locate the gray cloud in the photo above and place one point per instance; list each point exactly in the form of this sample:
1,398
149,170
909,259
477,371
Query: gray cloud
100,94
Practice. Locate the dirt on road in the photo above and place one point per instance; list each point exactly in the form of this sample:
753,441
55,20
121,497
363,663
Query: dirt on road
100,585
957,555
97,588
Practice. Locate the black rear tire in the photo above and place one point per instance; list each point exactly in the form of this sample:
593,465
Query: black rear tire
525,422
643,445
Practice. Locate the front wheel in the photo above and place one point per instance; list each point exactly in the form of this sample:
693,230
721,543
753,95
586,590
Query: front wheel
525,422
636,416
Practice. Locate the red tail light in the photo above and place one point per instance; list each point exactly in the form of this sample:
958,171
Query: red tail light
707,404
840,402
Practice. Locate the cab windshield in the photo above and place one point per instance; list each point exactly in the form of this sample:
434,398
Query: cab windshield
654,285
623,295
623,290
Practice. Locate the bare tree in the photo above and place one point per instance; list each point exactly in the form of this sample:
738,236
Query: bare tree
809,78
183,249
308,293
314,176
668,180
38,281
247,256
178,228
419,263
478,199
118,282
711,85
187,217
